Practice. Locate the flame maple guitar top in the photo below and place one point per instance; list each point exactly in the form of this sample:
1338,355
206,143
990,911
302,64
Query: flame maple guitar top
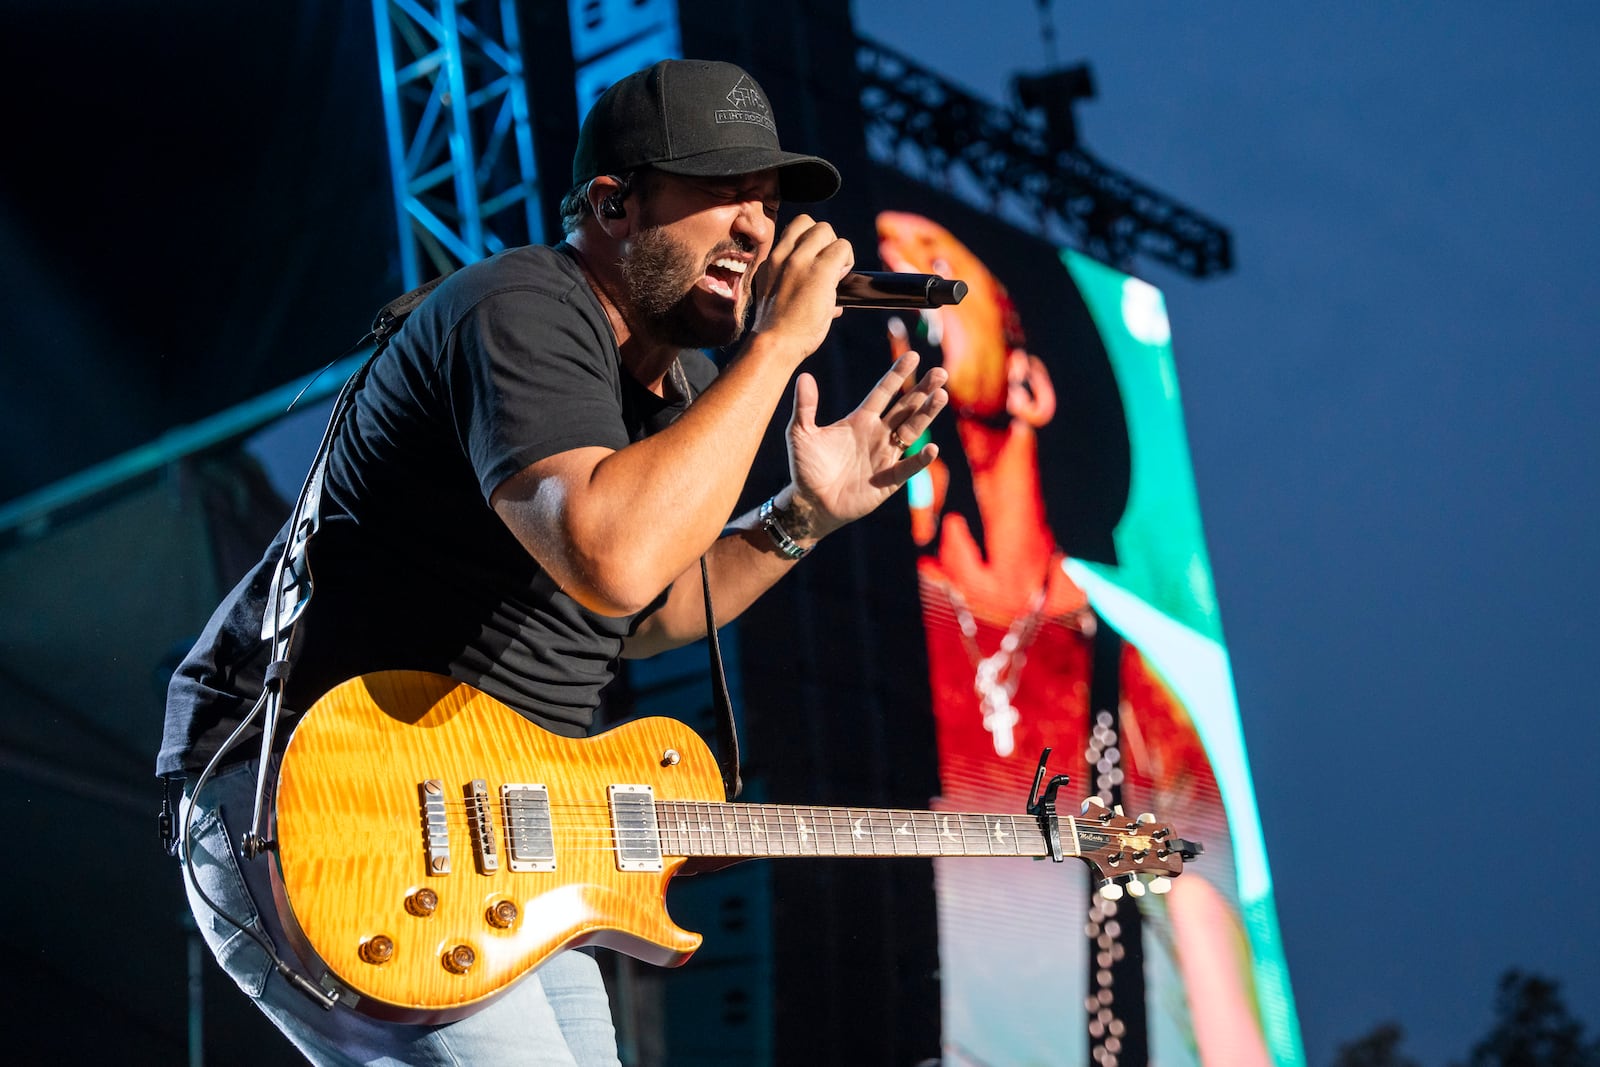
355,846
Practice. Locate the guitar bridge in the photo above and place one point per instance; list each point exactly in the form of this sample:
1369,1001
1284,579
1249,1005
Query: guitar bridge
482,821
633,820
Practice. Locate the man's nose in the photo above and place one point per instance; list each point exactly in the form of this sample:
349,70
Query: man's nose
753,224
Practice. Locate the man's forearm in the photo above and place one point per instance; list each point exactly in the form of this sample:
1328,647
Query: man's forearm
742,565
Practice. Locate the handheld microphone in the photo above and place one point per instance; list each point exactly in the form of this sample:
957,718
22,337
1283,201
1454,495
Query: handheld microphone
878,289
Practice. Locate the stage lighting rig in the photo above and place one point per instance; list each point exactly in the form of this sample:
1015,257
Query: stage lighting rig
1026,167
1053,94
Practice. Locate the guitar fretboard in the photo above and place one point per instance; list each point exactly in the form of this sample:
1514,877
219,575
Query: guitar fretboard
695,828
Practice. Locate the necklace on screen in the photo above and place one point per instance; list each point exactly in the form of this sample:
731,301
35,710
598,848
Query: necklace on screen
997,675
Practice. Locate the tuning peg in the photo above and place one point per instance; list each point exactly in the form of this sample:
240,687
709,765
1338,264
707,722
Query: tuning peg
1111,891
1145,819
1118,809
1135,887
1160,884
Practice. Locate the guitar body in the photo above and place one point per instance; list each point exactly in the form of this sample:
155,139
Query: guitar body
376,786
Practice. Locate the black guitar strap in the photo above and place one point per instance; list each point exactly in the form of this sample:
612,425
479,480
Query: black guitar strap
291,579
727,728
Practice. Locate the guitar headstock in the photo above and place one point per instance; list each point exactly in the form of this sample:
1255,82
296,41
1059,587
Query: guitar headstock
1119,849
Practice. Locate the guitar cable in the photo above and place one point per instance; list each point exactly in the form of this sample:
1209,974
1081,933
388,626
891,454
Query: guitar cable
321,997
307,501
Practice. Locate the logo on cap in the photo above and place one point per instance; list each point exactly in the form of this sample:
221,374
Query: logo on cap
747,106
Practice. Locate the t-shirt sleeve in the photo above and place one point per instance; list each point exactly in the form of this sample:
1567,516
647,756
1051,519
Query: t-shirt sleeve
530,377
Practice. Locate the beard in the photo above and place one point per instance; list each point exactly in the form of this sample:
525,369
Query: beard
659,276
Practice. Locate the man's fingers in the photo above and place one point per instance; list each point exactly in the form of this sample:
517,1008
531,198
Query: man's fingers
791,233
887,388
781,249
813,237
805,239
903,469
921,417
805,403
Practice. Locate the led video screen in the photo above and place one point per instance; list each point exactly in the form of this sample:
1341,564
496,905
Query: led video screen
1067,603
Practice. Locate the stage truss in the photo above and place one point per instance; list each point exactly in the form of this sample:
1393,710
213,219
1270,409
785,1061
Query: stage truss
461,153
1005,164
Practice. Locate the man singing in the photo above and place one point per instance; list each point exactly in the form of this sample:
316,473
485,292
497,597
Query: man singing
525,486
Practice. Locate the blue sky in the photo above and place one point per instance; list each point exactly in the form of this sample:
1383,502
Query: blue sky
1391,410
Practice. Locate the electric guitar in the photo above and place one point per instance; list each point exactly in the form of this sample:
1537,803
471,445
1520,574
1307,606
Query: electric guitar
432,846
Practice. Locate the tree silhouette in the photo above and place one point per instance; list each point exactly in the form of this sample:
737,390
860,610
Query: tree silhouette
1533,1029
1380,1048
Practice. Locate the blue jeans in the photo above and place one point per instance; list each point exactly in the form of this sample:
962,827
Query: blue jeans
557,1016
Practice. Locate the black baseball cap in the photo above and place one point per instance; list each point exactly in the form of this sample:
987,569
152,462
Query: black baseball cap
698,118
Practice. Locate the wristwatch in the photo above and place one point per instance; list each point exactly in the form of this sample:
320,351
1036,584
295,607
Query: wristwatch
768,518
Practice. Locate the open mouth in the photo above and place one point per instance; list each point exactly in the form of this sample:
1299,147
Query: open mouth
724,276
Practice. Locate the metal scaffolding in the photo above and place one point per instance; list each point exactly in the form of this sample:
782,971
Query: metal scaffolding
1004,164
460,144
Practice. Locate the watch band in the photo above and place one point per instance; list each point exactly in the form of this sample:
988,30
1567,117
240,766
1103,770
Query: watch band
781,540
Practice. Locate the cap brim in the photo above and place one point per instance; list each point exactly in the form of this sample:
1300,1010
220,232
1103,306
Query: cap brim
801,179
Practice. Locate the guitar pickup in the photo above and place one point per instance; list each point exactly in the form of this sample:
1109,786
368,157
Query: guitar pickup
633,820
530,839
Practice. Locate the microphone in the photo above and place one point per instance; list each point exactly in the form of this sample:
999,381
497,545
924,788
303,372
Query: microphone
878,289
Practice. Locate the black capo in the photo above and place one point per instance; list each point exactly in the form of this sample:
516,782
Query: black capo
1044,807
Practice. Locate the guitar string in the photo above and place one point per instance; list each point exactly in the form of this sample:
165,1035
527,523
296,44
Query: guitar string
677,842
464,809
836,833
733,815
876,820
967,826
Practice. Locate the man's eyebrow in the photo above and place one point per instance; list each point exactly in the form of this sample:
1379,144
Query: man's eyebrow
739,183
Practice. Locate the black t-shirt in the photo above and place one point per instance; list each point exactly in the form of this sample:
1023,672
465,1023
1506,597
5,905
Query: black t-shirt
509,361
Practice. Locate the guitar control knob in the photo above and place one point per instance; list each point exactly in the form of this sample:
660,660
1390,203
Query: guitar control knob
422,903
377,950
502,915
460,959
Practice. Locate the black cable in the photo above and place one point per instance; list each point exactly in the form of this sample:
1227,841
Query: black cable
322,998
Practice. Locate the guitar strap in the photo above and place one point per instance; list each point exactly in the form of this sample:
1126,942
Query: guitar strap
722,702
292,582
727,728
291,578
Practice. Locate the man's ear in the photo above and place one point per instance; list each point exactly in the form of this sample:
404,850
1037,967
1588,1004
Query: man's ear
608,200
1029,394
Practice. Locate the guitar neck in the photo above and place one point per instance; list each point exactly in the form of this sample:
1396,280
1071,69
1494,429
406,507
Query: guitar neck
708,829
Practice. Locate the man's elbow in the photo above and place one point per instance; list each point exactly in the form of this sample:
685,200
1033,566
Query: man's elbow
615,588
606,574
